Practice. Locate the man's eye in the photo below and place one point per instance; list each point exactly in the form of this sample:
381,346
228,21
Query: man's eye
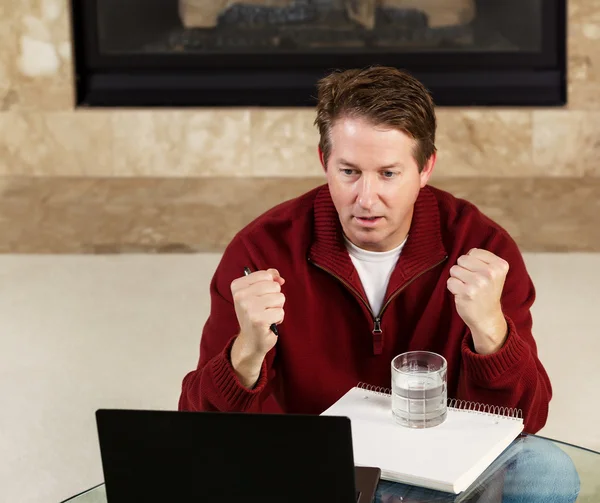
388,174
348,172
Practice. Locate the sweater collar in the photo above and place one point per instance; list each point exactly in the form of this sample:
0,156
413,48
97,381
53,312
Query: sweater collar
423,250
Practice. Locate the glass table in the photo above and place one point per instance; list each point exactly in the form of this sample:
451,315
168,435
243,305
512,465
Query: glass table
510,479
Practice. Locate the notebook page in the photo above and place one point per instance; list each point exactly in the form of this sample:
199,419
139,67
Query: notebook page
448,457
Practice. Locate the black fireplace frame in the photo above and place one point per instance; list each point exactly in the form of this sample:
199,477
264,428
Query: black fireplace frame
208,80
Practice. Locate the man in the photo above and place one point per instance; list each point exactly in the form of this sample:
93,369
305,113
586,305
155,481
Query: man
366,267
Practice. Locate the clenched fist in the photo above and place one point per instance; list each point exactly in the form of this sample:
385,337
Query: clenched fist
477,281
258,303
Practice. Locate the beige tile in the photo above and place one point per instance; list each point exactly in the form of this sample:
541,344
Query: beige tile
182,143
55,143
121,215
567,142
584,11
483,143
584,54
36,71
583,95
8,43
51,97
284,143
542,214
164,215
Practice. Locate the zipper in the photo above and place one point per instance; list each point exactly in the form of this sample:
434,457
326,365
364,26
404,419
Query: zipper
377,326
349,287
377,319
407,284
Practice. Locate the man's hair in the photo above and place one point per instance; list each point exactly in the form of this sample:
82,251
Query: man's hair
384,96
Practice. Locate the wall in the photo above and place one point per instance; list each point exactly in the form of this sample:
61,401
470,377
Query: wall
121,331
81,180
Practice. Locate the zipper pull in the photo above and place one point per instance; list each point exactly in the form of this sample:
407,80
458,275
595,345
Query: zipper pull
377,327
377,337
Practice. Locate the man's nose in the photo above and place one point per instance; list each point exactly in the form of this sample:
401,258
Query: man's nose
367,193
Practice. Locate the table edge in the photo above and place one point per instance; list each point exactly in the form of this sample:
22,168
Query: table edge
525,435
83,492
579,447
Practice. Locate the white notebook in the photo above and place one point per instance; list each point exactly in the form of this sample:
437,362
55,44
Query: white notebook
448,457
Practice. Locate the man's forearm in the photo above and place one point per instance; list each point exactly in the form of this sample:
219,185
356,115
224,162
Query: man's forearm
490,338
247,364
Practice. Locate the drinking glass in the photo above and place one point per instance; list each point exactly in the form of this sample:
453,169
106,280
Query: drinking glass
419,392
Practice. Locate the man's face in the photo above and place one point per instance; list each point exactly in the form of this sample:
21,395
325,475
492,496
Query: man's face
374,182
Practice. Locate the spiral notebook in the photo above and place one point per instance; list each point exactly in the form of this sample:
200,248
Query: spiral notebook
448,457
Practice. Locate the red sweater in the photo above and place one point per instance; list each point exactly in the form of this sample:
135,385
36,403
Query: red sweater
330,340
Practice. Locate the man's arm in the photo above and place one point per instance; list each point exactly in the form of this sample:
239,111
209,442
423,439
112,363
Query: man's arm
215,385
503,369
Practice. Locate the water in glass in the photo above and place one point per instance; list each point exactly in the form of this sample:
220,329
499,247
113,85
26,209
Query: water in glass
419,394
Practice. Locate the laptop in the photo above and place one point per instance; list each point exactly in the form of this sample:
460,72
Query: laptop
168,456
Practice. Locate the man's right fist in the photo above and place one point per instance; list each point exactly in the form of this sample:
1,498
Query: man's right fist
258,303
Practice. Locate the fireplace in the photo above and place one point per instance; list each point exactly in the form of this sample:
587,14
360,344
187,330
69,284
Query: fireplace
272,52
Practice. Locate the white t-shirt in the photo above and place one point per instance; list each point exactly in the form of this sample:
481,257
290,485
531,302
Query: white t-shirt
374,270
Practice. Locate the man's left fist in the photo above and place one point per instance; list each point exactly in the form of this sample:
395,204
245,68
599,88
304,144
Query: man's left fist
477,281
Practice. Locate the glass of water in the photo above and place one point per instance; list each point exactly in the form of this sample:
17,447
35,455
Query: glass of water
419,393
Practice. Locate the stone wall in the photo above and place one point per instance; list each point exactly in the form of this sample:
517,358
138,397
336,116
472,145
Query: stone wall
89,180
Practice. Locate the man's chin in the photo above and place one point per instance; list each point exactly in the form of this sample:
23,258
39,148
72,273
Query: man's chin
366,238
368,232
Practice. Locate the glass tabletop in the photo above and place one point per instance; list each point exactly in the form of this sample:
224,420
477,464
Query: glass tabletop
518,475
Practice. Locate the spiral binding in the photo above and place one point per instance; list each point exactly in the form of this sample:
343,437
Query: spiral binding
454,403
378,390
491,410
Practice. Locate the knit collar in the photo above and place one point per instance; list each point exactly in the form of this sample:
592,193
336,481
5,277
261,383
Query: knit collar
423,249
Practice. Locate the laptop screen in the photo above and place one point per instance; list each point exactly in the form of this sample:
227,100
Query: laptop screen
208,456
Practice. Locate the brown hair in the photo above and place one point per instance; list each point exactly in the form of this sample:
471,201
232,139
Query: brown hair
382,95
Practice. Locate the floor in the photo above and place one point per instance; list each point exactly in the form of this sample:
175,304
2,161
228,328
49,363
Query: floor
83,332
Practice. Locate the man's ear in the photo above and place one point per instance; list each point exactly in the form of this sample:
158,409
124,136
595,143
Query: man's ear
428,169
322,158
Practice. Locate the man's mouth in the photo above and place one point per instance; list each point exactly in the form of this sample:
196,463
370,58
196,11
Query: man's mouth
368,220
